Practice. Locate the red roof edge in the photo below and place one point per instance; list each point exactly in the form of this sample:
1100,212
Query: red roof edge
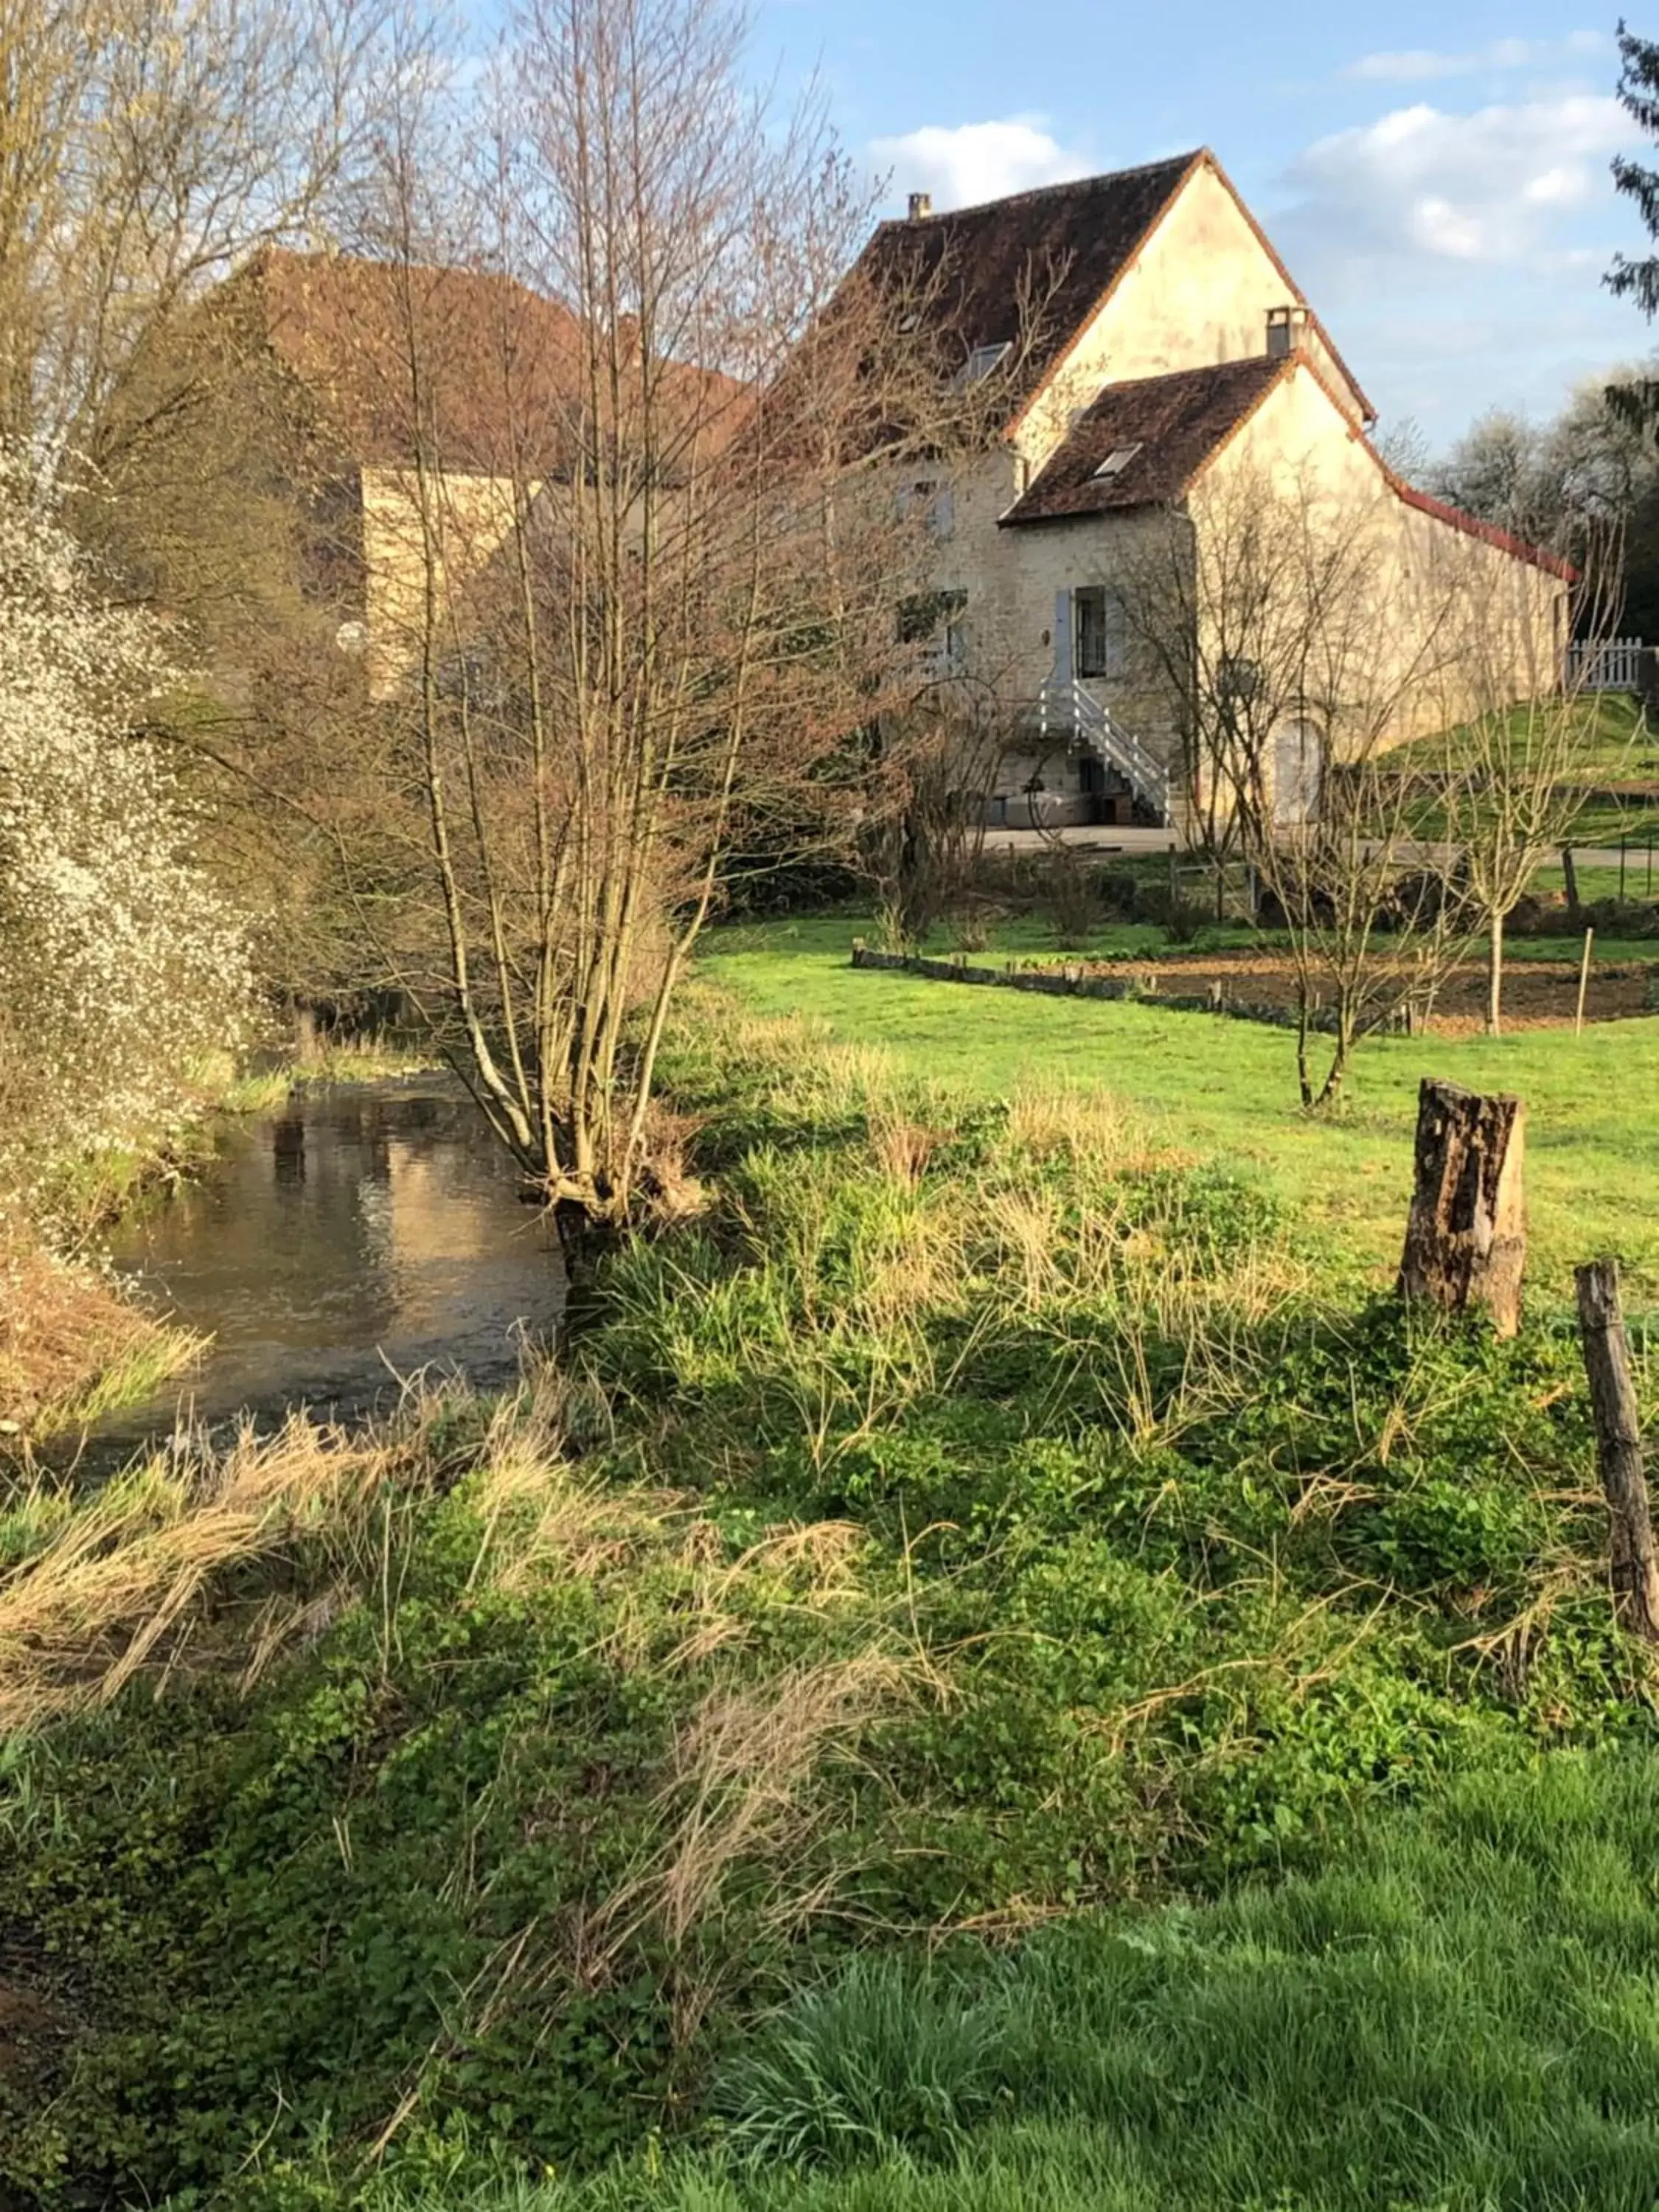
1489,532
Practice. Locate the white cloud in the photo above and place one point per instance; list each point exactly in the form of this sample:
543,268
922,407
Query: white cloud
1420,65
1493,186
1458,255
968,163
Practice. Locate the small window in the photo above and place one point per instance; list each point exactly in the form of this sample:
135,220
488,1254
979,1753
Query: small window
1097,628
1117,460
980,363
950,656
935,502
1239,679
930,618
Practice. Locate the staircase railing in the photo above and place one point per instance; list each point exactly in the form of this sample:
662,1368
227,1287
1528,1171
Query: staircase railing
1067,709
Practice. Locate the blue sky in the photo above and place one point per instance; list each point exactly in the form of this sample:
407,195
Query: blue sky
1435,176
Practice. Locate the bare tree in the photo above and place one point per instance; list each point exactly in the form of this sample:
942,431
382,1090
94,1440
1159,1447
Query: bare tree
1298,649
144,145
650,554
922,827
1518,772
1570,485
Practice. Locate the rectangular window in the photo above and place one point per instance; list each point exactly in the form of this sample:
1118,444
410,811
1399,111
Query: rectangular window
933,501
951,658
1238,678
933,620
1097,628
1117,460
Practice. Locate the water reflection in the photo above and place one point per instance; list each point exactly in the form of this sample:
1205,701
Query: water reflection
360,1230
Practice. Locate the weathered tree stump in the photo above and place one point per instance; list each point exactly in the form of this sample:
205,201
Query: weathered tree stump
1466,1239
1618,1448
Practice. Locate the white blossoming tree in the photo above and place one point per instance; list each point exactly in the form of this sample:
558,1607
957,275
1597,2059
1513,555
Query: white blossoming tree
121,963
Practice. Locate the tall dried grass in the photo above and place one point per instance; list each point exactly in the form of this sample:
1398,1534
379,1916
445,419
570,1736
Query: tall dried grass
71,1344
120,1577
744,1764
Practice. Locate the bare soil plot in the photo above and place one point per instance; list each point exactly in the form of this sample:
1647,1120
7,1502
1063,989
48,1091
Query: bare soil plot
1537,993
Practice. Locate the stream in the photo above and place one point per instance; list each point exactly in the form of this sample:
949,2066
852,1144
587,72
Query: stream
358,1233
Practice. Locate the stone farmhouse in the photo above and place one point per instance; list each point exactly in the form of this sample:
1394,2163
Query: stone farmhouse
1141,348
425,401
1170,351
425,409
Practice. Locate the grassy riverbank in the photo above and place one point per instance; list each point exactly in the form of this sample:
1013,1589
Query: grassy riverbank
992,1534
1457,2019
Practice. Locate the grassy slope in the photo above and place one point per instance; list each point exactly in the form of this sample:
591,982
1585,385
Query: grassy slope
974,1522
1227,1088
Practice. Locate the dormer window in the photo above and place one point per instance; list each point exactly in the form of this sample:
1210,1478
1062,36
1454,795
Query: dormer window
980,363
1117,460
1286,327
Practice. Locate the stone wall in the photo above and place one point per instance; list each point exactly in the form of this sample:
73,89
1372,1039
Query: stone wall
1069,982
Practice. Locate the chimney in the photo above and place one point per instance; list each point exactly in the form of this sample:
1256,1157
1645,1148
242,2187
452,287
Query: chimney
921,206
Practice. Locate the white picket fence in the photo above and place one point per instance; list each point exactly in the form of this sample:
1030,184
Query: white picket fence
1613,664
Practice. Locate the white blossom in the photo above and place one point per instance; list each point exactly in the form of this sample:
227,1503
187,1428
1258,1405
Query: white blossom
121,963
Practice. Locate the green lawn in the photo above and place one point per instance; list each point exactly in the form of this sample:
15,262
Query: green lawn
1616,743
1617,746
1461,2019
1228,1088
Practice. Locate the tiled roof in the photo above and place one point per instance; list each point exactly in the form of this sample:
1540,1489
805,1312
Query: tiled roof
1060,248
500,388
1170,426
1489,532
497,362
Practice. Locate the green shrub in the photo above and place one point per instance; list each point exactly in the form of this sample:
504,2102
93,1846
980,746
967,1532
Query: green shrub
1119,893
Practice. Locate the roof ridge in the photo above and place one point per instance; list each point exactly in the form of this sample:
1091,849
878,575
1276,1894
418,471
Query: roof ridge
1275,362
1171,162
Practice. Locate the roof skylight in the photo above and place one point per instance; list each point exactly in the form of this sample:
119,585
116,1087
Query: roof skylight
980,363
1117,460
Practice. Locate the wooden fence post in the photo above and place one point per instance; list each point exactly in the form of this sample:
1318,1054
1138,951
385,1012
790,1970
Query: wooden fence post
1584,982
1618,1448
1466,1237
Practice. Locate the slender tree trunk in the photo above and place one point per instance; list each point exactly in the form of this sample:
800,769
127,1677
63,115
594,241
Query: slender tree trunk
1337,1072
1495,973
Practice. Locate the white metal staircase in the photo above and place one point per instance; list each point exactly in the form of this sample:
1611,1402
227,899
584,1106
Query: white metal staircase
1065,708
